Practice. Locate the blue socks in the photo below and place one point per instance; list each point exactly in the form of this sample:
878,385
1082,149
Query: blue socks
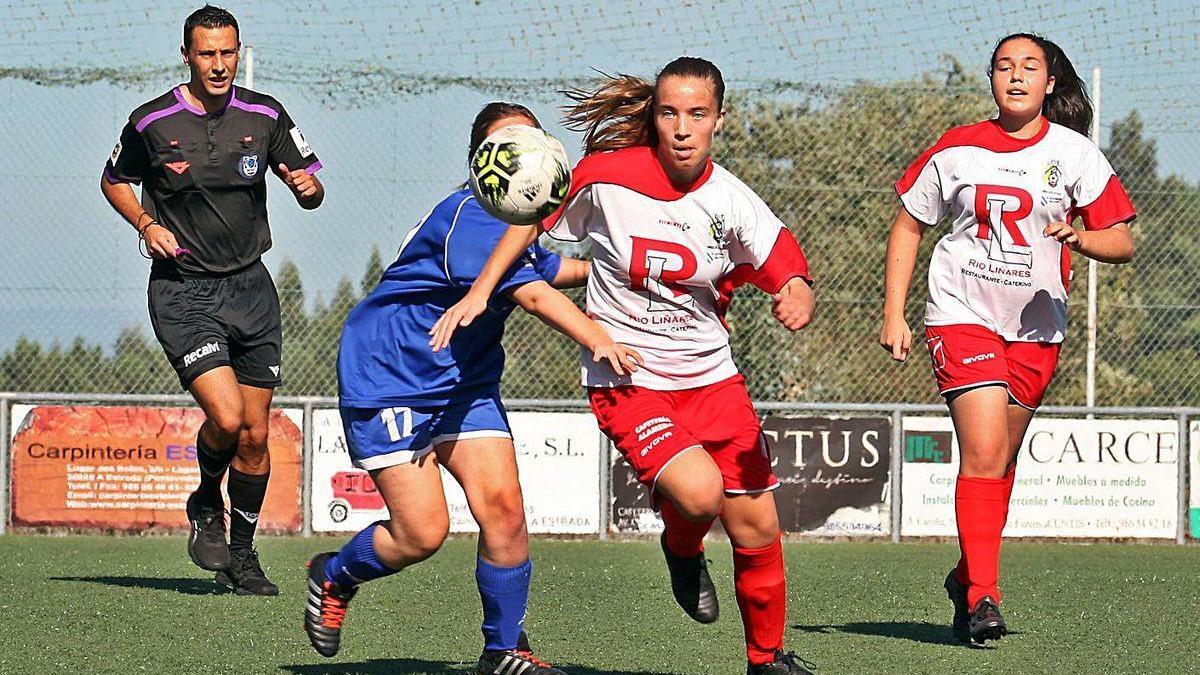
504,592
356,562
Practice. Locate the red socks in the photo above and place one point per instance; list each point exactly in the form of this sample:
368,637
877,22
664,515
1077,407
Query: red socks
981,508
685,538
758,579
1009,478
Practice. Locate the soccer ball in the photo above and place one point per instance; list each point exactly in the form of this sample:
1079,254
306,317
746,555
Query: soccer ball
520,174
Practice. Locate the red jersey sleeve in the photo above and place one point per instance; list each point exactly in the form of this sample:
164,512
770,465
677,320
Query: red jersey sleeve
1099,197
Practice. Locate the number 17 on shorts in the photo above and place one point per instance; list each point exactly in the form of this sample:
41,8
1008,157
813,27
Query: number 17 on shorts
382,437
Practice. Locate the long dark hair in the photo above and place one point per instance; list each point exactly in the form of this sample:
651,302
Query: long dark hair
1068,104
491,112
619,113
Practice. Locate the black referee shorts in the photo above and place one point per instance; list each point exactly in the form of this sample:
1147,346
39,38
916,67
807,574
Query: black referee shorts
205,322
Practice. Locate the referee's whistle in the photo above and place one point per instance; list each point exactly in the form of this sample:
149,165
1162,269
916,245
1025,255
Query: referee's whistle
182,251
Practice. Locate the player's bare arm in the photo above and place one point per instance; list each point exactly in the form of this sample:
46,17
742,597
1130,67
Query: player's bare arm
557,311
511,246
1110,245
573,273
305,187
895,336
159,241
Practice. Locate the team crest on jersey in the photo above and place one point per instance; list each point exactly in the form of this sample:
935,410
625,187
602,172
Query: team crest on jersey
716,228
1053,173
248,167
719,249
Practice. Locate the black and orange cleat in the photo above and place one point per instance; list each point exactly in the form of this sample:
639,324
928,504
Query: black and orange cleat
513,661
325,609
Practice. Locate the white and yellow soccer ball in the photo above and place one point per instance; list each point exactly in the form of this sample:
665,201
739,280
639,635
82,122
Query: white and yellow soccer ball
520,174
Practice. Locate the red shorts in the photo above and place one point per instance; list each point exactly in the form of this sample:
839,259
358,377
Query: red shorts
966,356
652,427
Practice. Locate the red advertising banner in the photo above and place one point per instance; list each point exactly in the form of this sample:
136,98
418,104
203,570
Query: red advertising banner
127,468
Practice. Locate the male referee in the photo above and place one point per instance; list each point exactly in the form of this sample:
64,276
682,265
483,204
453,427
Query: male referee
201,152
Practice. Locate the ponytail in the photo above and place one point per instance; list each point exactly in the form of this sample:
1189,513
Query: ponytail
619,113
1068,104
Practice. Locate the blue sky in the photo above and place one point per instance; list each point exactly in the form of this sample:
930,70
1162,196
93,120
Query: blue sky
70,267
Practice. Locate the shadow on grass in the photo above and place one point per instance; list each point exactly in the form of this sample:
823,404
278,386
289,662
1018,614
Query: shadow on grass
185,585
413,666
923,631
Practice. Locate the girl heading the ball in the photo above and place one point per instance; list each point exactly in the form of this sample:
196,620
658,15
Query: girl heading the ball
996,312
406,411
673,234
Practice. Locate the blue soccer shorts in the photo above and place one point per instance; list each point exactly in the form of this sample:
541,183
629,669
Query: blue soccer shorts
382,437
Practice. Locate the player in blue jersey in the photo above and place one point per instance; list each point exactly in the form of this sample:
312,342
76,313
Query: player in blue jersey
407,410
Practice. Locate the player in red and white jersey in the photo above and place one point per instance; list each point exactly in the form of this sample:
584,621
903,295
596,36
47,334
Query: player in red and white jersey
672,235
996,312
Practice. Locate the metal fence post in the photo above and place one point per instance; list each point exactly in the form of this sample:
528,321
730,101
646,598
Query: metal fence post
1184,459
5,465
605,486
896,470
306,464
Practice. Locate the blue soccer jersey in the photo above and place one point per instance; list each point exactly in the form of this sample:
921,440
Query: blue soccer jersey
385,359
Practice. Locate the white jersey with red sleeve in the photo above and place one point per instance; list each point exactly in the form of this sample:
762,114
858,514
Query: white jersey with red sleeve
665,263
995,268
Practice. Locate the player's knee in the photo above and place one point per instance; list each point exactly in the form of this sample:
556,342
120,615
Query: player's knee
407,546
701,504
426,541
985,461
254,437
504,513
226,425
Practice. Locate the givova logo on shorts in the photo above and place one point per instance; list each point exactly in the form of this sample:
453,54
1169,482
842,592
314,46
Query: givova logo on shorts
200,352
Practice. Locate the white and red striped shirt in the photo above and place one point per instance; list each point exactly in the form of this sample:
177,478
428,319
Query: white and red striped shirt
995,268
665,263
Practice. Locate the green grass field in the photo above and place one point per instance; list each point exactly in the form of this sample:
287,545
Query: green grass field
136,605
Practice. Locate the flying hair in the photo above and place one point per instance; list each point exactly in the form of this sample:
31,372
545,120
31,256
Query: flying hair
619,111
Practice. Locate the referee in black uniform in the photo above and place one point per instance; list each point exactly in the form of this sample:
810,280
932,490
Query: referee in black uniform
201,152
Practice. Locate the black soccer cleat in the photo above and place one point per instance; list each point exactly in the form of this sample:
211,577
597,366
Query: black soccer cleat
245,575
986,623
785,663
962,611
691,585
519,661
206,542
326,607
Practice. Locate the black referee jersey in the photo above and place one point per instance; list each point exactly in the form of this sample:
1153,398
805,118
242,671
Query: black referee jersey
203,174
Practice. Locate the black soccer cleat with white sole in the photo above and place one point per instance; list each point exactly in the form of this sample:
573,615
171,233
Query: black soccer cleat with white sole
245,575
785,663
207,546
986,622
959,625
325,609
519,661
691,585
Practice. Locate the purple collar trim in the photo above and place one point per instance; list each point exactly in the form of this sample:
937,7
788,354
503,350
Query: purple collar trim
251,107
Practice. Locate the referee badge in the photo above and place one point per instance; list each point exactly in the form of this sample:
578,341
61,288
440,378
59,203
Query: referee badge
248,167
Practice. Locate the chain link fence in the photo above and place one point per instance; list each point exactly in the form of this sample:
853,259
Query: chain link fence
824,156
